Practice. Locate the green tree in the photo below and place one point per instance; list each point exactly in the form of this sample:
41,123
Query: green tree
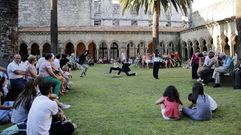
155,7
238,25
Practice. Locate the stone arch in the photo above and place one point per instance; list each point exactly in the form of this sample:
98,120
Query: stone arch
234,40
129,50
225,46
170,47
80,48
69,48
114,51
210,43
185,50
35,49
162,47
23,49
46,48
196,45
190,48
92,50
203,45
103,50
141,48
150,48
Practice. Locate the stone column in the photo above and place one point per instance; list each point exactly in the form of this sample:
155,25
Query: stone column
97,54
108,52
41,51
29,50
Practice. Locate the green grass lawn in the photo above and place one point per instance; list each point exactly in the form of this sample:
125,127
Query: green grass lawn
103,104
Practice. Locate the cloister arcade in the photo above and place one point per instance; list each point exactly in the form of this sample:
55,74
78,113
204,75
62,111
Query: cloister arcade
113,49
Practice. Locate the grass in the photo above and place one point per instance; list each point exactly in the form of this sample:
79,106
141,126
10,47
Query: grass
104,104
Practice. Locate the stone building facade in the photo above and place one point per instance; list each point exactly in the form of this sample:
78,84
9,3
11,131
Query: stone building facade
98,26
8,28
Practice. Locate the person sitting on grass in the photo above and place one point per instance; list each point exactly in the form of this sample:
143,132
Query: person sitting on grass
213,103
126,69
43,108
23,102
170,103
5,107
202,109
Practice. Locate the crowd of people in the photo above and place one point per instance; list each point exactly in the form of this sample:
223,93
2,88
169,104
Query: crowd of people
32,97
30,88
210,66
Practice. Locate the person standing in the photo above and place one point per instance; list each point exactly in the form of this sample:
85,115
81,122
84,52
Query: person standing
83,67
195,64
156,63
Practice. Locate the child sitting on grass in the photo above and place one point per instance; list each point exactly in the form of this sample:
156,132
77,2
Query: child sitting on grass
170,103
202,109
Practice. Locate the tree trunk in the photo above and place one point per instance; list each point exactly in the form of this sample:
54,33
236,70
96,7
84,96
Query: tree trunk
54,27
155,26
238,25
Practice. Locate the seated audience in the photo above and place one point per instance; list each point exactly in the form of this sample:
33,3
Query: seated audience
16,72
202,109
45,71
41,112
170,103
226,63
23,102
5,106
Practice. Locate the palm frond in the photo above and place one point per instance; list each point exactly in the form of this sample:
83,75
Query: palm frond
182,5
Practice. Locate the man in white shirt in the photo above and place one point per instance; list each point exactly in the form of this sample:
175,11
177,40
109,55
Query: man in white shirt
16,73
41,111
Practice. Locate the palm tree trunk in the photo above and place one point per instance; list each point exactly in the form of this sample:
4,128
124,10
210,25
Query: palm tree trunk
155,26
54,27
238,25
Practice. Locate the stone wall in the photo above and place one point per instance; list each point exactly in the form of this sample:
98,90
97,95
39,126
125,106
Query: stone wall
8,23
36,13
215,12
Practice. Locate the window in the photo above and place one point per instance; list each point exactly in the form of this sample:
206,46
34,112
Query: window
97,22
115,22
133,22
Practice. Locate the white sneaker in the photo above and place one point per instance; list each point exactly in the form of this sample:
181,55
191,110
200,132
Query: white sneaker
199,80
64,106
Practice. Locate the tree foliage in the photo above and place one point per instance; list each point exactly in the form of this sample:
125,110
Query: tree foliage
147,5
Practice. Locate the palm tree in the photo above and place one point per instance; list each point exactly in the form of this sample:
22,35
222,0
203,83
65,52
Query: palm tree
155,6
238,25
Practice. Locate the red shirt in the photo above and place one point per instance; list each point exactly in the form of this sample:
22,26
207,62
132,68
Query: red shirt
171,108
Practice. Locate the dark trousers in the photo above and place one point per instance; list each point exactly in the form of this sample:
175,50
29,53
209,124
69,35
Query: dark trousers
178,61
206,75
156,67
127,73
113,68
236,75
194,70
60,128
17,86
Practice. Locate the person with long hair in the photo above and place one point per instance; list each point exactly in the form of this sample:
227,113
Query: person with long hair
23,102
5,106
202,110
170,103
